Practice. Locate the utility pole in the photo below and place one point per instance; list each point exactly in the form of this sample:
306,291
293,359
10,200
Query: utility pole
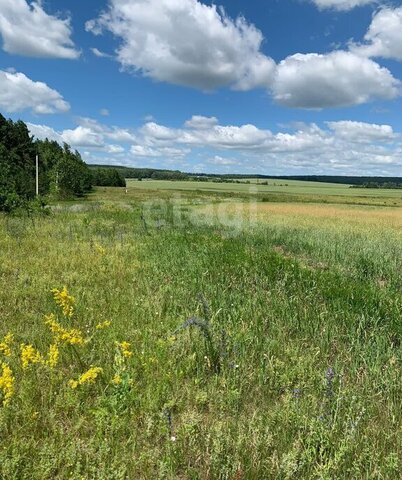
37,175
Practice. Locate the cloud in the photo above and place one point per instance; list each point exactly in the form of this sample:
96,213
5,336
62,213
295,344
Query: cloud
384,36
197,45
143,151
43,131
117,134
104,112
245,136
158,132
223,161
28,30
228,137
362,132
340,78
342,5
18,93
82,137
186,43
199,122
89,134
113,149
172,152
344,147
168,152
100,54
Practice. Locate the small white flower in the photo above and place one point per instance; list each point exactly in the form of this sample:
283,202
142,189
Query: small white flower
173,438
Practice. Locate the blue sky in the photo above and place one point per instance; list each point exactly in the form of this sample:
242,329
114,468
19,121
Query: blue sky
257,86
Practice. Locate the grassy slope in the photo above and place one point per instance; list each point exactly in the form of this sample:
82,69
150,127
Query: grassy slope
301,378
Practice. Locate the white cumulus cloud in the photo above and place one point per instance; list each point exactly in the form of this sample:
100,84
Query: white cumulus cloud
113,149
158,132
339,78
186,43
193,44
384,36
117,134
82,137
44,131
28,30
361,131
233,137
88,134
165,152
18,92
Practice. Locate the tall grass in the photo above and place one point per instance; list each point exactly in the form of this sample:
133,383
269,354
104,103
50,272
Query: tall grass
251,358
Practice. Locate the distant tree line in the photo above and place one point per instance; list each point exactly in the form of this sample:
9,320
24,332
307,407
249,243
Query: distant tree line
174,175
337,179
345,179
146,173
387,185
158,174
107,177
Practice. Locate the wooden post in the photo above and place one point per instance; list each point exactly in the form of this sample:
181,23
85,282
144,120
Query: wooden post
37,175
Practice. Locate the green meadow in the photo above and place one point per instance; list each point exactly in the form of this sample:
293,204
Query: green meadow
276,190
203,331
307,190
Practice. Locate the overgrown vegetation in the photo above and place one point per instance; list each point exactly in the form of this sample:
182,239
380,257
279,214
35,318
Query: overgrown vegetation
270,351
62,172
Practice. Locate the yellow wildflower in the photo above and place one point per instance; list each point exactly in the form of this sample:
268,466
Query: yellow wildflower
101,250
103,325
116,380
53,356
7,382
5,345
29,355
125,349
72,336
88,377
64,301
